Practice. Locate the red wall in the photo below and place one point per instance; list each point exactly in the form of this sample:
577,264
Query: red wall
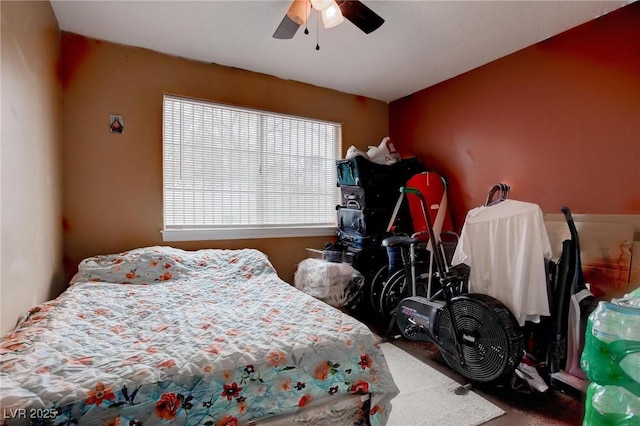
558,121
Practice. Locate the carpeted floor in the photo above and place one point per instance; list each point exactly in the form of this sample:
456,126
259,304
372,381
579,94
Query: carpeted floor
427,397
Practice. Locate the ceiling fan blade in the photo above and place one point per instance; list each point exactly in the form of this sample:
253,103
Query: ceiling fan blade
297,15
361,16
287,29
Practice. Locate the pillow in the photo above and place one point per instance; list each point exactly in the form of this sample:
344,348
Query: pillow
157,264
140,266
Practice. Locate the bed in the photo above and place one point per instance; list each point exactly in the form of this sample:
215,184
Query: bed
214,337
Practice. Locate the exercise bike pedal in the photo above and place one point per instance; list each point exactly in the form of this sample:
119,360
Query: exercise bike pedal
412,328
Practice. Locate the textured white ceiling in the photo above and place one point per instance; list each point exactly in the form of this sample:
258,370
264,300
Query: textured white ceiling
420,44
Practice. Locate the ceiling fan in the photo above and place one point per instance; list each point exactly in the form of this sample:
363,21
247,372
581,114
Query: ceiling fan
354,10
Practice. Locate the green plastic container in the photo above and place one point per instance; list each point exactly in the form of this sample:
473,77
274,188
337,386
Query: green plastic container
611,406
611,354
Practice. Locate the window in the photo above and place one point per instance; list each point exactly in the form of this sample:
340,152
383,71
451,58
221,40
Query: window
239,173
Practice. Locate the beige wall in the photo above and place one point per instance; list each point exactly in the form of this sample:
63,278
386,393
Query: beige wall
31,202
113,182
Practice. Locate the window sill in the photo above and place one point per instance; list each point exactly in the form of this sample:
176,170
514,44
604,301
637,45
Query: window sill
246,233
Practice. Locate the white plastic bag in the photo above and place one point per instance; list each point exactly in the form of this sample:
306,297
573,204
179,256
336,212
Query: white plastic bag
336,284
385,153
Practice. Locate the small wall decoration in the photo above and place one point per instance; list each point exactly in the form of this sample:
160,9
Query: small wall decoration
116,123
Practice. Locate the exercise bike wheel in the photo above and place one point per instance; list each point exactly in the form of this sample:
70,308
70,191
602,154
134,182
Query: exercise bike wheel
491,339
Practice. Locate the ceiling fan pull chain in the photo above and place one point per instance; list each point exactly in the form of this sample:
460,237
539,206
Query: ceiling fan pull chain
306,22
317,32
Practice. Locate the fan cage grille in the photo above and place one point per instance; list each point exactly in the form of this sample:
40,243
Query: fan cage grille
497,343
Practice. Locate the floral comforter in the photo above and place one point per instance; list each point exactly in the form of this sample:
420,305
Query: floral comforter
212,337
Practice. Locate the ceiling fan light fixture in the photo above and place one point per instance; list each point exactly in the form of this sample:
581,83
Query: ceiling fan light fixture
352,10
299,11
321,4
332,16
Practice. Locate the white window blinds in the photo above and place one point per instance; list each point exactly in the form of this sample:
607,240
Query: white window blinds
246,172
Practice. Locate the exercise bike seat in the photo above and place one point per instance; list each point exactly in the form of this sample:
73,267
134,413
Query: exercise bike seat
399,241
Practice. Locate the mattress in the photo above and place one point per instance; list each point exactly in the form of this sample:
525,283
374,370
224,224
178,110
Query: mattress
161,335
